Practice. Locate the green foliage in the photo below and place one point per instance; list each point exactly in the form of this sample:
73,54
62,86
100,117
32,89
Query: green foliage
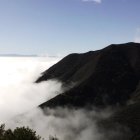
20,133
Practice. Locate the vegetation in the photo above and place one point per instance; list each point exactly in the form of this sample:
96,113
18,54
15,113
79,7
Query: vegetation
20,133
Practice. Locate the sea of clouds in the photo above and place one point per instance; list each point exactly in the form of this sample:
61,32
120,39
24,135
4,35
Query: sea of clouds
20,97
18,92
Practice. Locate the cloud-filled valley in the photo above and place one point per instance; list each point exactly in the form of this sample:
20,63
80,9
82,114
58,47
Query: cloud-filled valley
18,92
20,96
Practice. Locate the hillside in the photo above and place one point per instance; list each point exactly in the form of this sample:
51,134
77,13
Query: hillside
107,77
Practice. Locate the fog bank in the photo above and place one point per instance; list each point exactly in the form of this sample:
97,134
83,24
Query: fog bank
20,96
18,92
70,124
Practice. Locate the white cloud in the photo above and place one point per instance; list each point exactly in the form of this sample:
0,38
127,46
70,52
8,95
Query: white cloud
18,92
96,1
69,124
19,95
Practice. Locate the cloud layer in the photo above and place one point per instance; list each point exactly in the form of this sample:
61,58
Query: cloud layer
70,124
19,98
18,92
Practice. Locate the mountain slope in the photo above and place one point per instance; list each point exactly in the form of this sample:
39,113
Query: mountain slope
105,77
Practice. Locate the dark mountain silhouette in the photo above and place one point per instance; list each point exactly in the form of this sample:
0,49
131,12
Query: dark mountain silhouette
104,77
107,77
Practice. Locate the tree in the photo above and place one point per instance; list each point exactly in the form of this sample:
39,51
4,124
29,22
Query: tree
20,133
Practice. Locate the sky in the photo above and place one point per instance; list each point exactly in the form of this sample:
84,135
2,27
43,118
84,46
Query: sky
60,27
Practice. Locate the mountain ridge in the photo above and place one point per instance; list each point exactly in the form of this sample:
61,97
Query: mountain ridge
107,77
115,71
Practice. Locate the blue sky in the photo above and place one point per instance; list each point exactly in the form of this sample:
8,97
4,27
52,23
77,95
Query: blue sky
60,27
